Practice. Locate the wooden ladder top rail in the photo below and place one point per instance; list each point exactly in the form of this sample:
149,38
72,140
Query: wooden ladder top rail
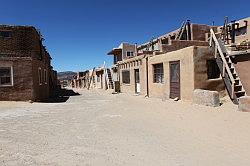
90,80
180,32
106,78
218,46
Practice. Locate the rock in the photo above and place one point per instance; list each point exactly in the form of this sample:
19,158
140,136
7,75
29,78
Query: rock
30,101
176,99
244,104
206,97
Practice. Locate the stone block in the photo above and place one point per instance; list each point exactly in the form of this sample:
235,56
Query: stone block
244,104
205,97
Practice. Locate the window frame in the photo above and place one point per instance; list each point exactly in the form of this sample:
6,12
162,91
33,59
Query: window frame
11,77
40,79
6,31
128,80
45,76
131,53
157,73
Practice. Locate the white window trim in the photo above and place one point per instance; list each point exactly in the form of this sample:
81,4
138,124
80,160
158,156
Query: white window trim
40,78
11,78
45,76
130,52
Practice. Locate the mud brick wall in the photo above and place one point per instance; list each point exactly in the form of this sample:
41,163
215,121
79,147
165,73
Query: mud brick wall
199,31
24,51
22,88
23,40
179,44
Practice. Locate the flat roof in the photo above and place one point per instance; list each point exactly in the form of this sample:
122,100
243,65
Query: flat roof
115,51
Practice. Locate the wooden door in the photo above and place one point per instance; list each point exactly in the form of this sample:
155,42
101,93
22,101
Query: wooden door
174,79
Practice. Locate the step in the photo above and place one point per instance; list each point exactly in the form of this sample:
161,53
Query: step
235,75
237,81
238,87
240,93
227,58
229,65
232,70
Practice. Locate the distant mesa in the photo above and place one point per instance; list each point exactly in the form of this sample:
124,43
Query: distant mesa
66,75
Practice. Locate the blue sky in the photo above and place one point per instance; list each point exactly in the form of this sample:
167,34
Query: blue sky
79,33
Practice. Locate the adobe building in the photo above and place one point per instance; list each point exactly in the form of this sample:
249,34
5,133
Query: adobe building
98,78
177,63
25,65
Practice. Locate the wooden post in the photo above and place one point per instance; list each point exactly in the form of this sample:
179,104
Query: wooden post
211,38
223,69
232,95
215,51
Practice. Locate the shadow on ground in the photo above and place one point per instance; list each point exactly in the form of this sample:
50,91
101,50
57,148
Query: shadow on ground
61,96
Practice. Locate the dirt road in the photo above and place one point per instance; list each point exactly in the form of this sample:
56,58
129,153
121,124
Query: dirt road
97,128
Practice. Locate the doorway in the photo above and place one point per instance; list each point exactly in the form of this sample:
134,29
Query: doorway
137,81
174,68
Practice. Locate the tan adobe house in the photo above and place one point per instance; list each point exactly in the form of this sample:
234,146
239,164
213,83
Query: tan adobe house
25,65
99,78
189,58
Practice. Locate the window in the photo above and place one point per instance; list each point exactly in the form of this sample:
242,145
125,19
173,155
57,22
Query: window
6,76
241,31
125,77
45,76
213,70
40,76
130,53
158,73
5,34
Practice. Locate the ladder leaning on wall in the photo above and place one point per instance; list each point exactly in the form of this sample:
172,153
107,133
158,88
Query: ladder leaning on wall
91,78
109,83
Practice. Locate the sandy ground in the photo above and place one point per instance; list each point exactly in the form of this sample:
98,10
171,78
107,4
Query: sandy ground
98,128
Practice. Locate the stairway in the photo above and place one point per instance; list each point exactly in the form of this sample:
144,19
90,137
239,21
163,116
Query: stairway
231,79
110,83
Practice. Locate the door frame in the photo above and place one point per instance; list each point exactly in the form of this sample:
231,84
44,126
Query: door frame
139,82
179,70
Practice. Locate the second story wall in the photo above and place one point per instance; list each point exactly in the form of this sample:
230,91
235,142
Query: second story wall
19,40
128,50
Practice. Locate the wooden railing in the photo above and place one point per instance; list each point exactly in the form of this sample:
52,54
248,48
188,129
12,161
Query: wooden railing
225,66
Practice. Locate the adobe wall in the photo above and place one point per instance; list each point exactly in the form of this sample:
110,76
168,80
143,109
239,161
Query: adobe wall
201,55
179,44
22,89
127,47
199,31
22,40
41,92
186,73
131,66
242,68
101,83
241,38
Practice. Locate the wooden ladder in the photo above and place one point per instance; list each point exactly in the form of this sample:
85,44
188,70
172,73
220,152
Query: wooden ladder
181,31
228,72
91,78
110,84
